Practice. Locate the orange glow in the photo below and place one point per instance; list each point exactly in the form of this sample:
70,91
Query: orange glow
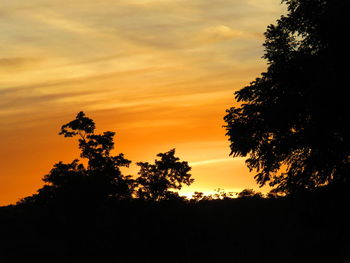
159,73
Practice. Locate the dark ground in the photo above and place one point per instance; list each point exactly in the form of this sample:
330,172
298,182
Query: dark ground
307,228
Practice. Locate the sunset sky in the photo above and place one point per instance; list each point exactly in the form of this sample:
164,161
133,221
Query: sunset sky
161,73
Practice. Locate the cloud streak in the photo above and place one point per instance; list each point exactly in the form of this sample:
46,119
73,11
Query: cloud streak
15,64
215,161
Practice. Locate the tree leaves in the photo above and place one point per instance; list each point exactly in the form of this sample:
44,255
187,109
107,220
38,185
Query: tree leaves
292,120
156,180
73,184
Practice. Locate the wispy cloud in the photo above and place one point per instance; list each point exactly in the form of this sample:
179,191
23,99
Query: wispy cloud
11,64
216,161
219,33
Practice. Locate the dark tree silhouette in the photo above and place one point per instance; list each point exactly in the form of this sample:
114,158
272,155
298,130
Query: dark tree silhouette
292,121
156,180
249,193
197,196
100,179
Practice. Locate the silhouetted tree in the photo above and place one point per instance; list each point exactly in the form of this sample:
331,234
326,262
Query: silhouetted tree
100,179
221,194
157,180
292,122
249,193
273,195
197,196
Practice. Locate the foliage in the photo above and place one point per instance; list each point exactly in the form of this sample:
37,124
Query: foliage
197,196
292,121
156,180
220,194
100,179
249,193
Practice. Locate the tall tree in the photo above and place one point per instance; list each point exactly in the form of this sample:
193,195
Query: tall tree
292,121
156,181
100,179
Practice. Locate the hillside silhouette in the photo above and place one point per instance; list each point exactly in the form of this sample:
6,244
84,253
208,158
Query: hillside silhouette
309,228
292,126
94,212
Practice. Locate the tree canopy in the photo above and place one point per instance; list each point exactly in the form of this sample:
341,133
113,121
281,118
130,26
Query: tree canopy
156,180
101,178
292,120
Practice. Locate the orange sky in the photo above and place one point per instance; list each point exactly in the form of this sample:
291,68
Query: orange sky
161,73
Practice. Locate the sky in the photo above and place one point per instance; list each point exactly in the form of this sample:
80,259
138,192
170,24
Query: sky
160,73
